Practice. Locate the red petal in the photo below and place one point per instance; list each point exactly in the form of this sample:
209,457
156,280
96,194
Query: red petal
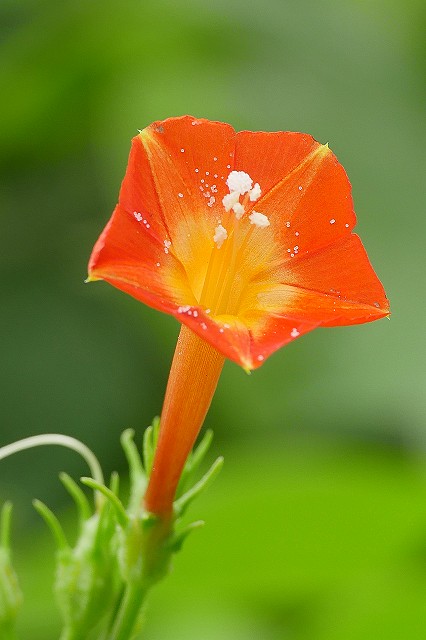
269,157
132,258
176,177
333,286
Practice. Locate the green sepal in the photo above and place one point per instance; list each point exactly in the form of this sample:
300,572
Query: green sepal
114,500
195,458
150,440
81,502
177,539
181,504
53,524
137,475
10,593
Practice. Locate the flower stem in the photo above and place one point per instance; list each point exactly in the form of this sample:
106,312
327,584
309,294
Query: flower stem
129,612
193,378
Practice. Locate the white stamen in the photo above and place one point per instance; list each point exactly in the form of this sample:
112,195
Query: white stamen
239,181
238,209
230,199
255,193
259,219
220,235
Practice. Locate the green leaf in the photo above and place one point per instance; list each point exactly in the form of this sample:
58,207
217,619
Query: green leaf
82,503
179,538
138,479
120,511
53,523
194,461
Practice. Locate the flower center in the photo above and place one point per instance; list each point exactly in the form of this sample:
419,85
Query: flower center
225,278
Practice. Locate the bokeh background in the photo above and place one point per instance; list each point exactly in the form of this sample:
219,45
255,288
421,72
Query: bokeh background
316,529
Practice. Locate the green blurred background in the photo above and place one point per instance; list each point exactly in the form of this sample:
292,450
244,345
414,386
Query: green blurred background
316,529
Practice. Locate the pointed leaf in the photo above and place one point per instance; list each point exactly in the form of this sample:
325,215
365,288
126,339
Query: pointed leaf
53,523
184,501
122,517
77,495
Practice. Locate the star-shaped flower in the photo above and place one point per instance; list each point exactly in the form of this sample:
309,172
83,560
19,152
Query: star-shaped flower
245,237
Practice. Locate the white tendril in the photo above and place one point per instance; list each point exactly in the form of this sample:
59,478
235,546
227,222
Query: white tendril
63,441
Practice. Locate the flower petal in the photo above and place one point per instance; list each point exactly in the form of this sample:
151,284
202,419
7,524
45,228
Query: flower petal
334,286
270,156
187,161
306,193
135,260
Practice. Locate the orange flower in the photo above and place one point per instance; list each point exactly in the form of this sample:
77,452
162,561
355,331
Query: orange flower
246,238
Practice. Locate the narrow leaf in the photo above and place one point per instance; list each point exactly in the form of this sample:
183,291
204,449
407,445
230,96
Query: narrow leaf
184,501
81,502
180,537
120,511
53,523
194,461
132,454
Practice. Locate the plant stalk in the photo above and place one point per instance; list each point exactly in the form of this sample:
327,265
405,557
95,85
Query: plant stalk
125,624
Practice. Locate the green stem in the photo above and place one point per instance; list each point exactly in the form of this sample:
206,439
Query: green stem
128,614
